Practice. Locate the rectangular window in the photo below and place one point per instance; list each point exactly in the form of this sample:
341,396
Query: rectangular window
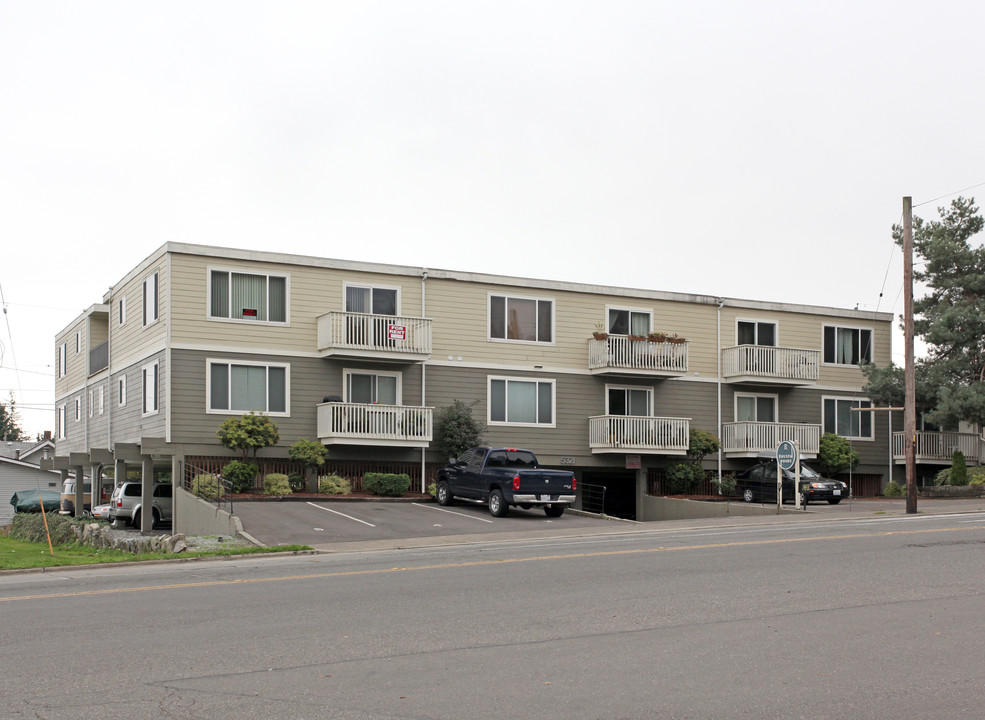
840,419
92,406
374,300
78,343
78,409
242,387
370,388
61,422
121,390
847,346
62,360
628,401
514,401
755,408
151,306
629,322
150,376
522,319
123,310
750,332
247,296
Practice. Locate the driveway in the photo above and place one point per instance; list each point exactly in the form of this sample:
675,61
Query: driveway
321,523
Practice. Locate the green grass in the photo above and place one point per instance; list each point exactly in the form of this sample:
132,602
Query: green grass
19,554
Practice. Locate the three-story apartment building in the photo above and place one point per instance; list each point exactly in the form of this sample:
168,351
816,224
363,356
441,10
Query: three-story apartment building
361,355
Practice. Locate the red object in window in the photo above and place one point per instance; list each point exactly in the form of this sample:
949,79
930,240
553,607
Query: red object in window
249,312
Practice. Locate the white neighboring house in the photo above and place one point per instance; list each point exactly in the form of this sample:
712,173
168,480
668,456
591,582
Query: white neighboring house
20,469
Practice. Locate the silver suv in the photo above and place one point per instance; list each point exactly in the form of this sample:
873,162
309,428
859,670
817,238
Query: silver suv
125,504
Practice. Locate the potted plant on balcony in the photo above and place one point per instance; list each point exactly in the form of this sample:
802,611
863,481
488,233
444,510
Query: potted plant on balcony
599,333
656,336
638,338
675,338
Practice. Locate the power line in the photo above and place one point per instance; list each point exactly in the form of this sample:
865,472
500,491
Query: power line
10,335
972,187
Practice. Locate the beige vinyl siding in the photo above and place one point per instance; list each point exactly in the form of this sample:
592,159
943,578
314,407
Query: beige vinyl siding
312,291
76,363
132,342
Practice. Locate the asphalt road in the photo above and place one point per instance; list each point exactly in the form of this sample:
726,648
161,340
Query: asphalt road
856,617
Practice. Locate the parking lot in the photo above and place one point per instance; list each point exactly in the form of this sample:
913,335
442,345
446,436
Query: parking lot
320,522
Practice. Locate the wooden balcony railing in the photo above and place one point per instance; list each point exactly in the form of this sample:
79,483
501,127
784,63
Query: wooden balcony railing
765,362
631,433
387,425
749,438
380,336
939,447
619,353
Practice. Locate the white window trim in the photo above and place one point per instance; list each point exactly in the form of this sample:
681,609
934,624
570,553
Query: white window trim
63,360
647,388
209,362
860,438
143,390
645,311
62,431
502,423
373,286
121,388
92,405
514,296
101,400
776,405
837,327
148,321
248,271
122,310
765,321
346,372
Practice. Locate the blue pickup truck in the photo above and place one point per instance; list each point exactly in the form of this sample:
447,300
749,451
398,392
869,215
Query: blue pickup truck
503,477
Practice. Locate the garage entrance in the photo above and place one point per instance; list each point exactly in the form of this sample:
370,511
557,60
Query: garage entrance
619,492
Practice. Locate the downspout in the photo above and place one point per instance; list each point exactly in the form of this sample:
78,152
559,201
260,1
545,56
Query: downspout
721,302
424,279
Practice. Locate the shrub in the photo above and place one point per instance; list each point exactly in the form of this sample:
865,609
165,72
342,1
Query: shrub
455,429
30,527
334,485
433,488
308,453
976,476
248,433
206,486
297,483
276,484
386,484
894,489
943,477
240,475
959,469
682,477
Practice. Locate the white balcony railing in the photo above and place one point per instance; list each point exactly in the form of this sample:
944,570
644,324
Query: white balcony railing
750,438
771,363
359,424
618,352
356,334
628,433
939,447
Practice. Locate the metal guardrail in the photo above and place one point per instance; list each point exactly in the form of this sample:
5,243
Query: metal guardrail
224,488
592,498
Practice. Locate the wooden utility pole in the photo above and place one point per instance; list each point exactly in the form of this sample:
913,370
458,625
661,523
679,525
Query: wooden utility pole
909,376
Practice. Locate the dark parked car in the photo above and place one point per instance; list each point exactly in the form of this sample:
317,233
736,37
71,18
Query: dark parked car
758,484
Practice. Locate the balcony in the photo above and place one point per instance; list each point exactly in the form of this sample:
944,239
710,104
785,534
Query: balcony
378,337
767,365
634,434
99,358
381,425
938,448
749,439
618,355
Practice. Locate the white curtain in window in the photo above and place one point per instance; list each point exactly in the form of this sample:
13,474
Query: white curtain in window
249,293
521,402
386,389
248,387
843,347
639,323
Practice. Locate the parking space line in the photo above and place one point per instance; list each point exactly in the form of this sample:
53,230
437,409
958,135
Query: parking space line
342,514
452,512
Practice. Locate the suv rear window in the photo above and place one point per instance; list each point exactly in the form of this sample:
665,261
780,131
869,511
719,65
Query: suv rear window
131,490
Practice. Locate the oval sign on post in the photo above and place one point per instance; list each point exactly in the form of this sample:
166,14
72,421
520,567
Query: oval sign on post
786,455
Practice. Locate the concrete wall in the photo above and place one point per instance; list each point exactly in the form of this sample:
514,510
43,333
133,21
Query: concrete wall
658,508
194,516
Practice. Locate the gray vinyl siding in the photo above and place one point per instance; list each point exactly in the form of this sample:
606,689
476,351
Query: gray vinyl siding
311,380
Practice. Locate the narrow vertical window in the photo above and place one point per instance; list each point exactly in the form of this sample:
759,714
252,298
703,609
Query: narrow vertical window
150,376
150,300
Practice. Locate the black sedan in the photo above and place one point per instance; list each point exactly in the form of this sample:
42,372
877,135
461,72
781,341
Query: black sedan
758,484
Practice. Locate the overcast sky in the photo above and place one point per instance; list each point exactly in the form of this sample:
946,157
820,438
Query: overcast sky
746,149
